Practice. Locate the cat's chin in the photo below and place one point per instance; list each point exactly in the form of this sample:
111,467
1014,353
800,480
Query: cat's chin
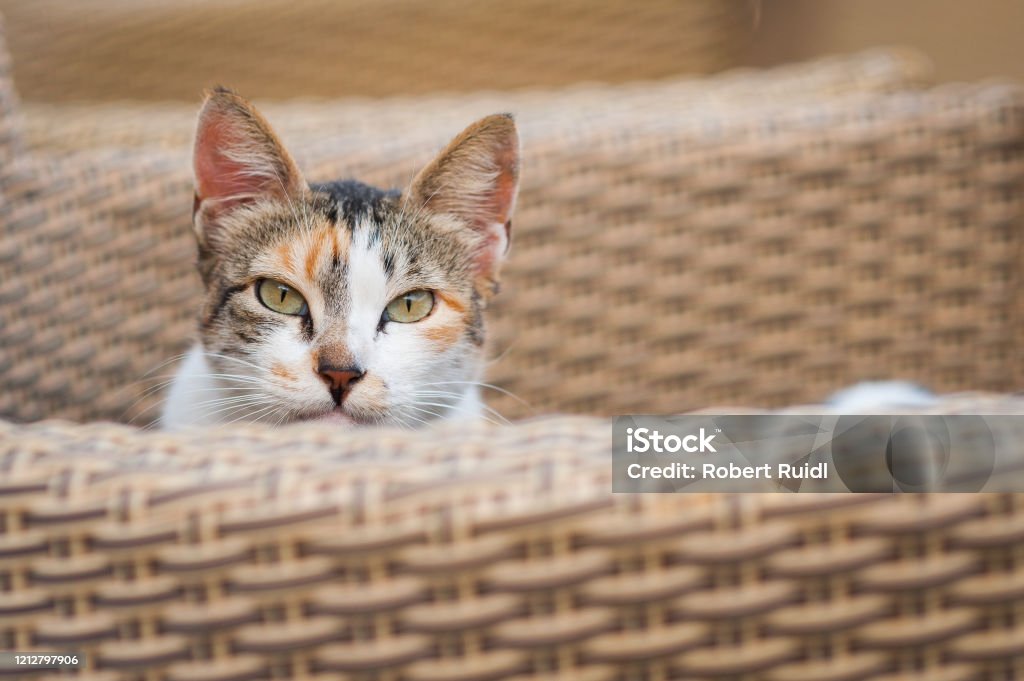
338,417
334,416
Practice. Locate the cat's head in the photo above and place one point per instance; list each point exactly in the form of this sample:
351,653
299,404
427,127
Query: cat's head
340,301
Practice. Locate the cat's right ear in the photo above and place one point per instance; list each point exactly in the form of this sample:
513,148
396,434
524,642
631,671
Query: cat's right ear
237,160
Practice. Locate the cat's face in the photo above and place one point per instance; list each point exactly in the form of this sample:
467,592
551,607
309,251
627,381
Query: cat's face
340,301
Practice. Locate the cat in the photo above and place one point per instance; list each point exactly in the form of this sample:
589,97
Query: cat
338,301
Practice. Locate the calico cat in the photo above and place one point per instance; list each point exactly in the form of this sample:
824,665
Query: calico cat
340,301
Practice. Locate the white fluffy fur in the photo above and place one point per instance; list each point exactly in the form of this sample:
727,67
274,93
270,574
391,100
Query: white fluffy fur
881,395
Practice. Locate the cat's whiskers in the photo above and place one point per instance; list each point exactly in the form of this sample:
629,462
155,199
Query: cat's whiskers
164,384
279,411
417,418
249,416
398,420
275,411
232,399
232,409
146,377
161,402
243,401
161,365
146,394
487,408
218,355
254,386
262,379
450,406
284,416
481,384
494,412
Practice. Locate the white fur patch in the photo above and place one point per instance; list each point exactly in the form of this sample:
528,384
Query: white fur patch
875,395
369,294
184,399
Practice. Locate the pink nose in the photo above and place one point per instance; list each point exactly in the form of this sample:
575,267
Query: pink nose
339,380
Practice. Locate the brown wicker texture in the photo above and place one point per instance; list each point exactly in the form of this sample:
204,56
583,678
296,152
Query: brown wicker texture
879,235
111,49
482,553
96,264
770,258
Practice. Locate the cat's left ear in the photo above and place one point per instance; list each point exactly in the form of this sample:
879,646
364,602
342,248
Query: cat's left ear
475,181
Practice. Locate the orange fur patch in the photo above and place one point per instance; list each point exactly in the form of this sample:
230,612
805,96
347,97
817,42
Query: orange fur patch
313,255
446,334
342,242
281,371
284,252
454,303
325,239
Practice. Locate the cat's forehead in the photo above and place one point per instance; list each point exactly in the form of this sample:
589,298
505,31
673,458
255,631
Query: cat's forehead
350,203
347,236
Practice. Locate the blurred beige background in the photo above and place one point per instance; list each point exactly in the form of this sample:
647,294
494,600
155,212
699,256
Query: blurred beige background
966,39
160,50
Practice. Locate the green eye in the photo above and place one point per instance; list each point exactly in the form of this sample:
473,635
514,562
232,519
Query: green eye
410,307
281,297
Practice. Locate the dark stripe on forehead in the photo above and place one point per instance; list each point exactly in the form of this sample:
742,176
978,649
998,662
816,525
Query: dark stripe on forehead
352,201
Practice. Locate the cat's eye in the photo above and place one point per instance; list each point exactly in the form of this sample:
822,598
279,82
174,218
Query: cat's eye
410,307
281,297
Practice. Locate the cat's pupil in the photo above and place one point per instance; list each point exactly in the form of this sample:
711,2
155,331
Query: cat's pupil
408,303
284,294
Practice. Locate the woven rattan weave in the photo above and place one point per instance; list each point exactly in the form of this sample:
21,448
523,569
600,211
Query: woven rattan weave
482,553
677,245
878,232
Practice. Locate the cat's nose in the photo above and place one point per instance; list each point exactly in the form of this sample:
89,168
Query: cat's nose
339,380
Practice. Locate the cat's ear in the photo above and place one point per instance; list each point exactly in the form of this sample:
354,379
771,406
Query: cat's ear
237,160
475,181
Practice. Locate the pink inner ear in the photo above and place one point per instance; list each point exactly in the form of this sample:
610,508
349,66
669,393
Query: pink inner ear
497,223
218,177
503,199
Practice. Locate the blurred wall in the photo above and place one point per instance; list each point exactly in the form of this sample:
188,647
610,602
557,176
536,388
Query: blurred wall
102,50
966,39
